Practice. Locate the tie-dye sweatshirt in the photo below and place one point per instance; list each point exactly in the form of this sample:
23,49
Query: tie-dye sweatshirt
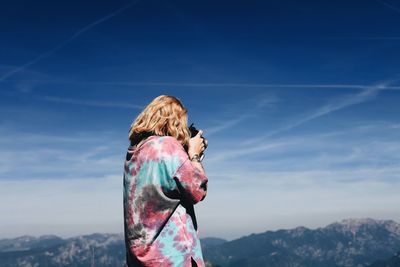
161,185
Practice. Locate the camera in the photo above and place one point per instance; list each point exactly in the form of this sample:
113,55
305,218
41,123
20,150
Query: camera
193,132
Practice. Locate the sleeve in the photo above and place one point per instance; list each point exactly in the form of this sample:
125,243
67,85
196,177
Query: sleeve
191,182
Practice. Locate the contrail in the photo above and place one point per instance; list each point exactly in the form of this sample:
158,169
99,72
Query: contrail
365,38
65,42
326,109
195,84
92,103
389,6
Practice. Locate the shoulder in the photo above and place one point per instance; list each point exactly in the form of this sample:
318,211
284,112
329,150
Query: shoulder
169,151
164,144
170,144
168,140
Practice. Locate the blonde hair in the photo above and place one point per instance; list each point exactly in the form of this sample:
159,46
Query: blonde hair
165,115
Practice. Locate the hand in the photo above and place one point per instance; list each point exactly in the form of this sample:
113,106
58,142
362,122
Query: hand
196,144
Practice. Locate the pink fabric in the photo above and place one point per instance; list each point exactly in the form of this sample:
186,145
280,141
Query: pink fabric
161,185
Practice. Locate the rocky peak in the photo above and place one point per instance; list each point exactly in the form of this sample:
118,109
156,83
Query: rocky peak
357,225
298,231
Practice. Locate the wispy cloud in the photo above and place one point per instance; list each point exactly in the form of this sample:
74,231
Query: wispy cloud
65,42
356,147
227,85
59,156
86,102
234,152
363,38
224,124
389,5
333,105
24,82
251,109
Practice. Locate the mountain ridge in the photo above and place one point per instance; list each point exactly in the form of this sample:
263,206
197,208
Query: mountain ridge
352,242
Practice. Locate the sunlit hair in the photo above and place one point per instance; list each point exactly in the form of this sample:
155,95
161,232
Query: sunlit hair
165,115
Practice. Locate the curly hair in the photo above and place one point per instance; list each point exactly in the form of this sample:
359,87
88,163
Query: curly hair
165,115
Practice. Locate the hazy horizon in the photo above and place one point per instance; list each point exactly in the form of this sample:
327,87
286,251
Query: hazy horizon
228,239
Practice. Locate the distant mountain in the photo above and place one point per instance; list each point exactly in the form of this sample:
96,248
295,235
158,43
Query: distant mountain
352,242
100,250
25,243
393,261
212,241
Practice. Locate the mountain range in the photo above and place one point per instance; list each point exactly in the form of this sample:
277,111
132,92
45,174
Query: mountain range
349,243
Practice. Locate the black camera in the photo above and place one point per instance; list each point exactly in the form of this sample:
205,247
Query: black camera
193,133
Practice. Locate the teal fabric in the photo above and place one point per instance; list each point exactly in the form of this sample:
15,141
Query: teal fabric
161,186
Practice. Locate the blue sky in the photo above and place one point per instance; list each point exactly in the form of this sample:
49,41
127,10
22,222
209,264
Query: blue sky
299,102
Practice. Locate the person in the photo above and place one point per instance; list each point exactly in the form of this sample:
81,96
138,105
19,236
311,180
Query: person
163,179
